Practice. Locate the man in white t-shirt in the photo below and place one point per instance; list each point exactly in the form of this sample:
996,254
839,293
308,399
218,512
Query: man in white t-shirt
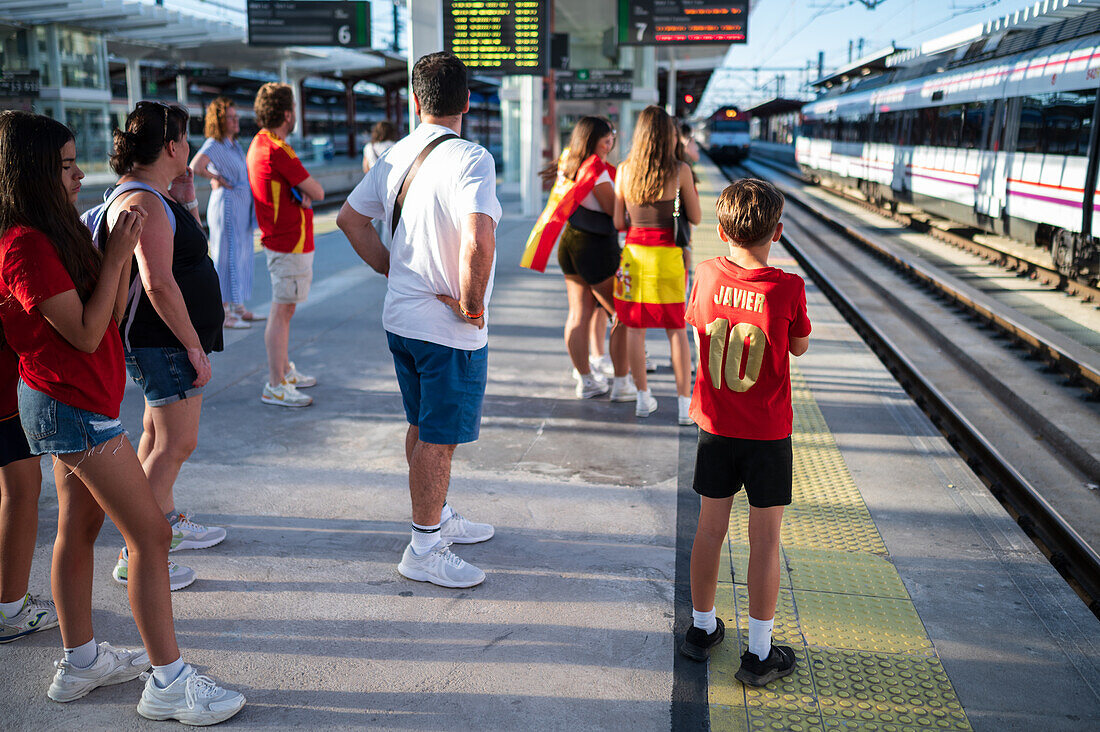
440,268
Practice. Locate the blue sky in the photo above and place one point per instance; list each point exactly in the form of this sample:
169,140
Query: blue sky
788,33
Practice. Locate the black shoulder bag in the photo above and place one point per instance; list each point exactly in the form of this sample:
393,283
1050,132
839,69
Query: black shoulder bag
406,183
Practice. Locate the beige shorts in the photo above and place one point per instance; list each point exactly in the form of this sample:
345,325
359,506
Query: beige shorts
291,275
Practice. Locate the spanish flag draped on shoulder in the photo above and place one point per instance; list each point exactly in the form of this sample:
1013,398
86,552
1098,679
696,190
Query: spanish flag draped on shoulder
565,196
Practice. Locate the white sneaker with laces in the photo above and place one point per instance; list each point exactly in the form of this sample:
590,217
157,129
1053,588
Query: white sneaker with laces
440,567
192,699
186,534
602,365
460,530
297,379
590,386
683,406
624,391
112,666
284,395
179,576
645,405
35,615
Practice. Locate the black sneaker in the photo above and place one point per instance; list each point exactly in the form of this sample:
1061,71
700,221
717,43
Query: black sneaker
754,672
697,642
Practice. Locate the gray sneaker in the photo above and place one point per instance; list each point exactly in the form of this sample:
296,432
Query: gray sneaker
179,576
192,699
440,567
112,666
186,534
460,530
35,615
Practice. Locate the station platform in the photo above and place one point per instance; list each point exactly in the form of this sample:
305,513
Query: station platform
913,601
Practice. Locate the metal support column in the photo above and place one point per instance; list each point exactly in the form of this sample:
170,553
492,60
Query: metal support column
530,163
181,89
133,83
353,132
425,36
670,90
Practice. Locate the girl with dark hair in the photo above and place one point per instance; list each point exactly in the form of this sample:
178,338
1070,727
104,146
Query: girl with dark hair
649,291
588,253
174,318
58,294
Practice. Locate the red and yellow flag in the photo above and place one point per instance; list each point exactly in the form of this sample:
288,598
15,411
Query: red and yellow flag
565,196
649,286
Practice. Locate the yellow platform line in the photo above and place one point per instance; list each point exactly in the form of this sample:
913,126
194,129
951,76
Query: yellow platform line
865,661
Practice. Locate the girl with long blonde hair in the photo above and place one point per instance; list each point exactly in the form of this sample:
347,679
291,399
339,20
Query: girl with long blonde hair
654,189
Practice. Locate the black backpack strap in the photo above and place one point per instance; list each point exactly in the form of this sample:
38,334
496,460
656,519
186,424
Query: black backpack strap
406,183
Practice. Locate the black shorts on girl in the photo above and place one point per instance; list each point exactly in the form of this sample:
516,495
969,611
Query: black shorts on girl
592,257
764,467
13,443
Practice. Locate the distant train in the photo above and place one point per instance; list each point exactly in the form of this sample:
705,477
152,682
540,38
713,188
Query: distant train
998,134
727,135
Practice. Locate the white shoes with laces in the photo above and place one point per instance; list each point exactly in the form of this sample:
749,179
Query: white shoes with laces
460,530
192,699
440,567
111,666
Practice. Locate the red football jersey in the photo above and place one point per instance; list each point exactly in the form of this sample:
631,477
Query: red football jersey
273,169
744,319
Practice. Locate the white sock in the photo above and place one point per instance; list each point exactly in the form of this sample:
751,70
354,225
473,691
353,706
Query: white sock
760,637
643,395
424,538
446,513
165,675
620,381
82,656
11,609
707,621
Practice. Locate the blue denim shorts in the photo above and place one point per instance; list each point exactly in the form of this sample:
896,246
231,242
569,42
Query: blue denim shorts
58,429
442,388
165,375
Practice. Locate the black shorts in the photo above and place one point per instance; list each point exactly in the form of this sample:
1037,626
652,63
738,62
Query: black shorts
592,257
764,467
13,441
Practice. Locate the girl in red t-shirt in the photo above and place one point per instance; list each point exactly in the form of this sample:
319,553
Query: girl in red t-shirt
57,298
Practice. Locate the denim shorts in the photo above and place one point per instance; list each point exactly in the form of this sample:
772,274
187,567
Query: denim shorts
58,429
442,388
165,375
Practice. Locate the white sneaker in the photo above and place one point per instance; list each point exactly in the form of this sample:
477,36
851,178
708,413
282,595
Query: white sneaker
192,699
683,405
284,395
624,390
460,530
35,615
645,405
590,386
602,365
235,323
297,379
186,534
112,666
179,576
440,567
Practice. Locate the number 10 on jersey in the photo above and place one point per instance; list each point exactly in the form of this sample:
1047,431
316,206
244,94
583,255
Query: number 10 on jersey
745,338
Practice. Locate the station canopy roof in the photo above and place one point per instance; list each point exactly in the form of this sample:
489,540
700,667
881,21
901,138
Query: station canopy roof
772,107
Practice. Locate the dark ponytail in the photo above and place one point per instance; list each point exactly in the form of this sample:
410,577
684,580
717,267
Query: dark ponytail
148,129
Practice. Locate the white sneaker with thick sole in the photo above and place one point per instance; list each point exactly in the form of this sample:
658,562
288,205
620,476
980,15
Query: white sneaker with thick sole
299,380
35,615
645,404
186,534
440,567
112,666
179,576
460,530
590,386
602,365
284,395
624,391
192,699
683,407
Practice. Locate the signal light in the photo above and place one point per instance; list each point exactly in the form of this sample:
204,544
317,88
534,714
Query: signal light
689,99
731,114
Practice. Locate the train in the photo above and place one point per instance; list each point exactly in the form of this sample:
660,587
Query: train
727,135
997,134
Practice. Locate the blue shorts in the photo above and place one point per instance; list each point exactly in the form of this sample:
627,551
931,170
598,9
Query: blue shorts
442,388
164,374
58,429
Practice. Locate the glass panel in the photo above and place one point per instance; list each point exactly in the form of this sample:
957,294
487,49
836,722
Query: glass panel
81,59
93,137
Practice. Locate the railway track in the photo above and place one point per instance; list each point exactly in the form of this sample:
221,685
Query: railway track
1030,434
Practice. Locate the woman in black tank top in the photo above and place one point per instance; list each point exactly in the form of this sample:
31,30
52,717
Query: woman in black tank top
173,316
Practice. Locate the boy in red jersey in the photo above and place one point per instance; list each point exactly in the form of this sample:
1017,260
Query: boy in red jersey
748,318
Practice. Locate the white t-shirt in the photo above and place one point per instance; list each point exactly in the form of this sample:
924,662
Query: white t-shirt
590,201
457,179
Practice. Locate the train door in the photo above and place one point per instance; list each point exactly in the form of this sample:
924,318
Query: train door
993,179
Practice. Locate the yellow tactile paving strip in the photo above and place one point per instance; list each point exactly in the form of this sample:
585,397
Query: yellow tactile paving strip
865,662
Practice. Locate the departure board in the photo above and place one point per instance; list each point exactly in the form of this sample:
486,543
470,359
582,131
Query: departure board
682,22
309,23
507,37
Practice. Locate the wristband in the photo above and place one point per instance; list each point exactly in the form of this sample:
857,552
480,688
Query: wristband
470,316
191,205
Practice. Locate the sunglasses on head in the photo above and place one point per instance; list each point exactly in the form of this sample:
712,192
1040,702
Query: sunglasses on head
163,106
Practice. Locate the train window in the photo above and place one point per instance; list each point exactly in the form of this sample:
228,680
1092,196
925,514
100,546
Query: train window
1056,123
973,123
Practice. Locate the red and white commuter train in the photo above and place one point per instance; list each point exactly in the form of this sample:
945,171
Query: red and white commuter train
998,133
